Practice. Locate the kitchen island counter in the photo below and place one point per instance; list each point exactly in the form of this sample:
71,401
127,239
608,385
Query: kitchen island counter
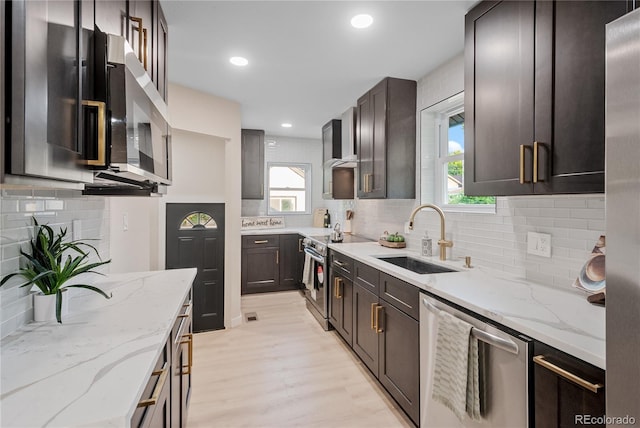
561,318
91,369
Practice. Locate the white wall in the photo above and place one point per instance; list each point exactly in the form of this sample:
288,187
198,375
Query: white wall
496,240
206,168
296,150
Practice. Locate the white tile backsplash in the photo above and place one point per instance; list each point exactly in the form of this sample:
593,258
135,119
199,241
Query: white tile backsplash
57,208
499,240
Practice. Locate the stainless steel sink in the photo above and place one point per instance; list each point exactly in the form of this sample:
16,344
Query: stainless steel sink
415,265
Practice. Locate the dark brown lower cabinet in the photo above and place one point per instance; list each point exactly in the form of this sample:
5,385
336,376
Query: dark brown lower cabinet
271,263
568,392
365,337
341,295
341,305
154,406
165,398
399,364
386,334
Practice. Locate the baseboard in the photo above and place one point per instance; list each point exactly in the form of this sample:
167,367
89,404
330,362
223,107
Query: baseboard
235,322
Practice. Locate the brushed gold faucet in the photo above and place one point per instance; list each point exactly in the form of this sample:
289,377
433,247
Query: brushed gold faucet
443,243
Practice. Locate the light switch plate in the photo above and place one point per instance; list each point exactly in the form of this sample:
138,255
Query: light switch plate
539,244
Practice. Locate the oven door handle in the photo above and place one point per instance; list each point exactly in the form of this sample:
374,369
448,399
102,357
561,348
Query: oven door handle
315,256
488,338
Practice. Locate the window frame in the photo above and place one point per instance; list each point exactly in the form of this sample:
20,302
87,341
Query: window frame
450,107
307,188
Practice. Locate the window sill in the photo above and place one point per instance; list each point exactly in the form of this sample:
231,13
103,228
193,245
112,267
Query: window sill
472,209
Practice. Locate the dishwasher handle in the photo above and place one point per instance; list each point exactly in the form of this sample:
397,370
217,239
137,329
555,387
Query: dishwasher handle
488,338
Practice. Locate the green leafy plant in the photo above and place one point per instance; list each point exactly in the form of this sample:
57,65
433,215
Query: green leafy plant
53,262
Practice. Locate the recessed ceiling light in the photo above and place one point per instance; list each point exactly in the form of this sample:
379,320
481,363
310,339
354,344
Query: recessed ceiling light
361,21
239,61
286,125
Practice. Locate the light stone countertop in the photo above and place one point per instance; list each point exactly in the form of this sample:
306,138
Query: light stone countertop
560,318
91,370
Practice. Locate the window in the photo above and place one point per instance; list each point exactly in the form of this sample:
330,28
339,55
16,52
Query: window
442,127
198,220
289,188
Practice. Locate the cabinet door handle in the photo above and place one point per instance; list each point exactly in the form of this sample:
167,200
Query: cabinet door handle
542,361
188,340
300,245
338,285
523,148
261,241
140,31
102,132
373,317
379,310
277,257
158,388
144,37
536,149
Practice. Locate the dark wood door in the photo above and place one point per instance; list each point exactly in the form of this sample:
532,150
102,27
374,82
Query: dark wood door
364,143
377,184
569,93
195,238
111,16
365,337
160,45
341,306
400,359
252,164
291,253
499,97
141,30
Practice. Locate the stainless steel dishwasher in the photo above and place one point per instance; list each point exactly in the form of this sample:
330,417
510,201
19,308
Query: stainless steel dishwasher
507,359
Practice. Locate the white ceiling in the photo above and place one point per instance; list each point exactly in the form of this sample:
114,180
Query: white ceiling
306,63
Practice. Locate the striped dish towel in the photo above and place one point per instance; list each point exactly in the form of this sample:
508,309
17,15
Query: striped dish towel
456,371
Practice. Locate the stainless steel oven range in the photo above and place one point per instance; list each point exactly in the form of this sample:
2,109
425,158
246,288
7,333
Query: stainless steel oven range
316,274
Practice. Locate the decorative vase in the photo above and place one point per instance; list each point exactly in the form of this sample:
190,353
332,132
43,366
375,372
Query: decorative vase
44,306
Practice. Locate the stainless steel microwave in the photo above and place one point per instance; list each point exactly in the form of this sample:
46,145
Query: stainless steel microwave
126,127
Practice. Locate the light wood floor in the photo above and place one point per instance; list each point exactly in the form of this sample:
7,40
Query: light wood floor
283,370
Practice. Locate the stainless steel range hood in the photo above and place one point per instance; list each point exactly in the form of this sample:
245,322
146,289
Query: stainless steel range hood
348,158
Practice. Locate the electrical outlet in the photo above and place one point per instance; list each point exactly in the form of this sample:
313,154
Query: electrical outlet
125,222
539,244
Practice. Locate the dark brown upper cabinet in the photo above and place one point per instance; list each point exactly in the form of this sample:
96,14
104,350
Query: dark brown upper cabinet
252,164
386,140
534,96
111,16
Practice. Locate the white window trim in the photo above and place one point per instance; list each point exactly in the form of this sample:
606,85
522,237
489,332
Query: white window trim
442,150
307,188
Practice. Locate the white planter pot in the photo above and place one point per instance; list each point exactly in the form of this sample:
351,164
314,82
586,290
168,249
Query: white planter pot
44,306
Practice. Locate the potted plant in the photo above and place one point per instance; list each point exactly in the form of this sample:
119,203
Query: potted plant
52,263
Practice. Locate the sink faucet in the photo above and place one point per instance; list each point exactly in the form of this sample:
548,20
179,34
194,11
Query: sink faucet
443,243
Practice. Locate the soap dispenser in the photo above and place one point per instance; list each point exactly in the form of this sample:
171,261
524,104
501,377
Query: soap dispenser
427,246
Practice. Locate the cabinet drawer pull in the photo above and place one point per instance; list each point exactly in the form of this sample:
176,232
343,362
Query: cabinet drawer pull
261,241
187,312
523,148
189,342
339,263
593,387
373,317
102,132
158,388
379,310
